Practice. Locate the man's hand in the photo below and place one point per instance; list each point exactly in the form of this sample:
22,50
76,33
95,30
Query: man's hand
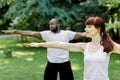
9,31
32,45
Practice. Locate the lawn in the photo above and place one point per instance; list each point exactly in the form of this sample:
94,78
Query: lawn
29,63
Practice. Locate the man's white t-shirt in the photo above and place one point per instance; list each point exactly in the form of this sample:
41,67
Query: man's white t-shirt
57,55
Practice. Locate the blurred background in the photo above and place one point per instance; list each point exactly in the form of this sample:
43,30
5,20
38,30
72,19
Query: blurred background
18,62
35,14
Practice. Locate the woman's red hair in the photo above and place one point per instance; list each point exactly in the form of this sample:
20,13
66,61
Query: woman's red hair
106,40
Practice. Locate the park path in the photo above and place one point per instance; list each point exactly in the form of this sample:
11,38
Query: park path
8,35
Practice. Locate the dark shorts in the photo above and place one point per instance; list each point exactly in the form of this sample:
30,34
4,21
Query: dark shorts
64,70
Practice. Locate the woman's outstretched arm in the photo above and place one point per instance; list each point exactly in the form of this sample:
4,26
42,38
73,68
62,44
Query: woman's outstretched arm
74,47
116,48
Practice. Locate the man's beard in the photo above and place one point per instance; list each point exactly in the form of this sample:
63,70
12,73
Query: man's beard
54,29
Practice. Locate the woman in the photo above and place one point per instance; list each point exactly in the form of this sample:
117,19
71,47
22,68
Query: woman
96,53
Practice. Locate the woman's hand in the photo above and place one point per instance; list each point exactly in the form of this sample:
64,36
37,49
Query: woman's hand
32,45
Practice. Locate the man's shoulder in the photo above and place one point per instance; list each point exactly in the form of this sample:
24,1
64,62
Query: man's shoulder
66,30
46,31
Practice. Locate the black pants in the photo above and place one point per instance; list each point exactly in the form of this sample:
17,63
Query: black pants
63,68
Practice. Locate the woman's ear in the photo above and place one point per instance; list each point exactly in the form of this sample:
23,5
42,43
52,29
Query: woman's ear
99,29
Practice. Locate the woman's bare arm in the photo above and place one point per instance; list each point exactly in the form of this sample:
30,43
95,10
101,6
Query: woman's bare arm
116,48
74,47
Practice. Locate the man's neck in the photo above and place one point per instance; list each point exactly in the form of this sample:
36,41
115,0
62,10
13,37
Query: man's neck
58,31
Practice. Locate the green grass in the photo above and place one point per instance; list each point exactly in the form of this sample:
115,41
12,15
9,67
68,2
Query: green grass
29,63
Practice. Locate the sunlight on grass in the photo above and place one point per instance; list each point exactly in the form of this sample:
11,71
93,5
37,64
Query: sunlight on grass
29,59
117,61
19,45
19,54
4,61
2,46
75,67
1,51
42,66
2,67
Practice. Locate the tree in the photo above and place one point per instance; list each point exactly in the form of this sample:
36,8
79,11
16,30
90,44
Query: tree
87,9
34,14
114,21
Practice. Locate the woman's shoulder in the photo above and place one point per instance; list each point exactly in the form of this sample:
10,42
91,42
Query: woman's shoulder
116,48
83,44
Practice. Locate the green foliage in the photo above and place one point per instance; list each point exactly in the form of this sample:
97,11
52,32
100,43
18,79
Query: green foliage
110,3
87,9
112,25
113,7
37,13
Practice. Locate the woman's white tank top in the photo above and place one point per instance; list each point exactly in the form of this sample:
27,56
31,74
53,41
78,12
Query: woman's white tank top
96,64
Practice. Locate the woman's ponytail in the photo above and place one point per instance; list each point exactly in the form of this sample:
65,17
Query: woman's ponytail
107,42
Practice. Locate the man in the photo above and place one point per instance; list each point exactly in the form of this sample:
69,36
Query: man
58,59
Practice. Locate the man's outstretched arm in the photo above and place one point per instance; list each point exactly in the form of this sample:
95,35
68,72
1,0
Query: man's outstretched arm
79,35
24,33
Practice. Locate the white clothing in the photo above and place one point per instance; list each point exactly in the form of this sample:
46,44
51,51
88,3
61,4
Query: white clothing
57,55
96,64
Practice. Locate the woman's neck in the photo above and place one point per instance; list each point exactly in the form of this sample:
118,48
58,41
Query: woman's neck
96,39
